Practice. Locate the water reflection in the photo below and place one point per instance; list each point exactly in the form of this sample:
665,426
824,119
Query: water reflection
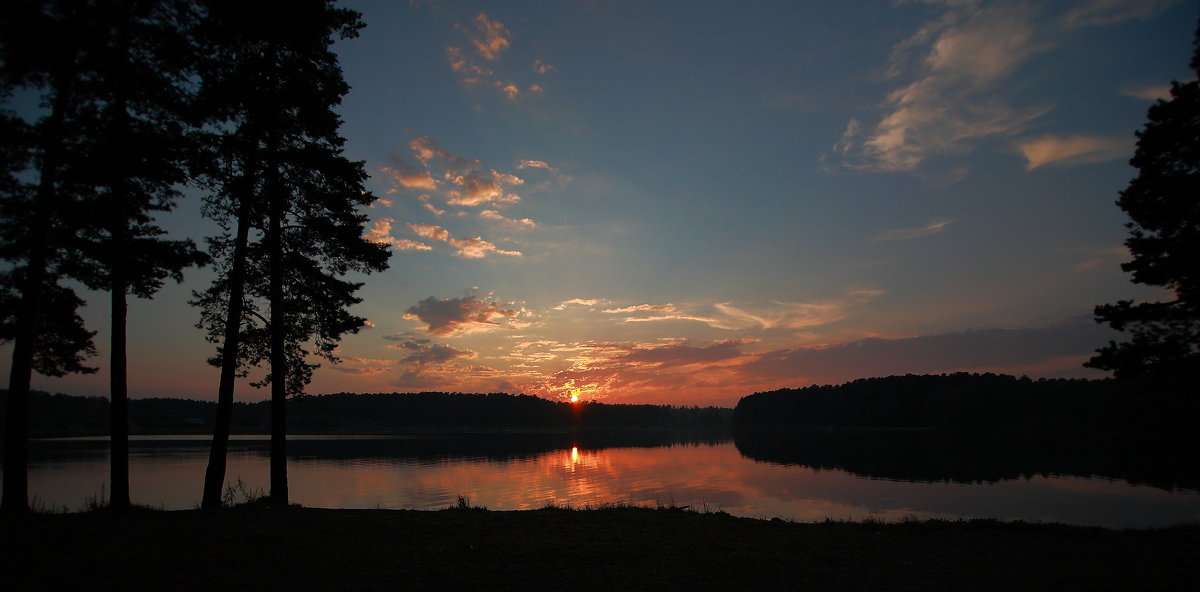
522,471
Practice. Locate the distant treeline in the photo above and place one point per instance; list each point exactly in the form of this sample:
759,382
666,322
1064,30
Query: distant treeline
965,400
1164,459
65,415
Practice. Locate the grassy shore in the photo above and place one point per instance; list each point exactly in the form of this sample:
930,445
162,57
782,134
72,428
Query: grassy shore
258,548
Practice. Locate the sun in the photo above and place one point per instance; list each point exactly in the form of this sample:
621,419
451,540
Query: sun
574,396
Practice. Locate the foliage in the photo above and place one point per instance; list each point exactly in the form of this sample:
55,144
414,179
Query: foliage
959,400
1163,204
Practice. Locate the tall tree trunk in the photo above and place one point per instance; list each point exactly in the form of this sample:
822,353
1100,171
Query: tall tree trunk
16,428
16,434
118,381
279,369
214,475
118,269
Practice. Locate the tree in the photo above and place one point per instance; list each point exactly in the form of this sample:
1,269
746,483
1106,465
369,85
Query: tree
139,161
40,47
111,152
284,179
1163,204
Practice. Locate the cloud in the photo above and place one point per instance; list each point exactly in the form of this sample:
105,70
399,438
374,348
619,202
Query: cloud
477,248
1148,92
1109,12
509,223
648,371
1074,150
364,366
428,364
430,231
450,316
477,190
1052,350
490,38
910,233
472,186
579,302
425,352
381,232
794,315
542,67
951,103
534,164
1101,258
510,90
424,199
665,308
426,149
710,321
408,175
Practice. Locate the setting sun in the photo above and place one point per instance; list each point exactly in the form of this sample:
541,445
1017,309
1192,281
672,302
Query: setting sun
574,396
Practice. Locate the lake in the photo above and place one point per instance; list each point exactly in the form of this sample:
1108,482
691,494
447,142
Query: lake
843,477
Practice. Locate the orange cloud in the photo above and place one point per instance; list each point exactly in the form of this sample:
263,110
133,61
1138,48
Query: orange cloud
542,67
381,232
477,190
490,38
430,231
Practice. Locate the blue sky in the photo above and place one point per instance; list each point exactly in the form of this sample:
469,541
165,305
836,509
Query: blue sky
686,202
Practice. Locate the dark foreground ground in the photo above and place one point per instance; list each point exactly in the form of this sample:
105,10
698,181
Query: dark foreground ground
255,548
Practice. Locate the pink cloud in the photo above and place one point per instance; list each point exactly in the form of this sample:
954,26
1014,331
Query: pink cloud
477,248
381,232
430,231
510,223
643,308
478,190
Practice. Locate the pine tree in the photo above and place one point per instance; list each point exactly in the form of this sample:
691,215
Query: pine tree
286,181
1163,204
41,45
111,152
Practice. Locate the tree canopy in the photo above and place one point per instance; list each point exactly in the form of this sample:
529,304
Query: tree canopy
1163,204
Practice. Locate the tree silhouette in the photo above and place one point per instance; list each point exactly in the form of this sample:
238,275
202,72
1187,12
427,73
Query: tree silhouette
284,177
40,47
116,104
1163,204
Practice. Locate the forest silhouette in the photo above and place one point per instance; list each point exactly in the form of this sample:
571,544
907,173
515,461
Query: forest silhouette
139,100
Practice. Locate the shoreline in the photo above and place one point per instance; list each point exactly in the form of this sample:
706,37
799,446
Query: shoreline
255,547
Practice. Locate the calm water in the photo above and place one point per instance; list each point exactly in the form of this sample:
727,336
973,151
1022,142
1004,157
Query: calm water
506,472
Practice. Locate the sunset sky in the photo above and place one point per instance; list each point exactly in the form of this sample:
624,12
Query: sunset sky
687,202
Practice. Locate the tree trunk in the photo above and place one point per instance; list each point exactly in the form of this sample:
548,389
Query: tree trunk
279,369
118,380
118,269
214,475
16,429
